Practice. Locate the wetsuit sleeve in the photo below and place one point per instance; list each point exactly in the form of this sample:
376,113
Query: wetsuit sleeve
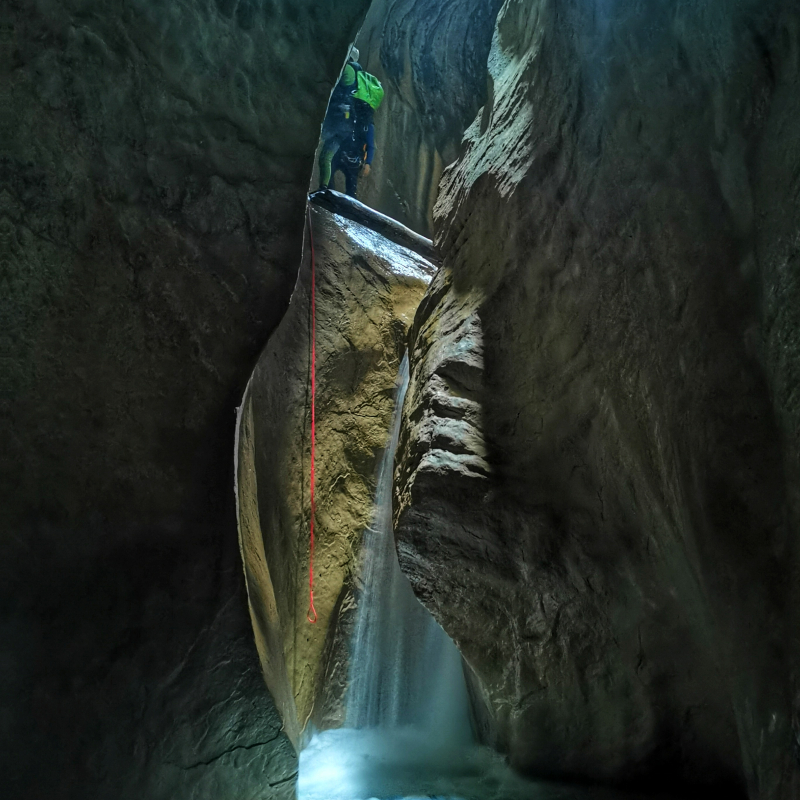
370,143
348,77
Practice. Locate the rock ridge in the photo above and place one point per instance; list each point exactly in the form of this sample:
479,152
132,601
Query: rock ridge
597,473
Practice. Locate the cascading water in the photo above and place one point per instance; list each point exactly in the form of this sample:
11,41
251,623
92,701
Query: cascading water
407,731
404,669
407,704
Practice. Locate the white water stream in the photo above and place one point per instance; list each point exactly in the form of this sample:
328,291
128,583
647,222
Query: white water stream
407,706
404,669
407,731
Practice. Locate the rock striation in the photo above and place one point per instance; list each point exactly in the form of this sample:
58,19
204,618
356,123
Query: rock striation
367,290
597,479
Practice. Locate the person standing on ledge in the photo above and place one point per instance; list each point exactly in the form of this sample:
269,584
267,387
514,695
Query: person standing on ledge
354,157
338,125
348,133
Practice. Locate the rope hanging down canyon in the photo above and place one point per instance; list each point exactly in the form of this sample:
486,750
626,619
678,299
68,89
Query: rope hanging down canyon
311,615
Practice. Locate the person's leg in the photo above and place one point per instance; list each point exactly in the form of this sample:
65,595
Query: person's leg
351,180
329,149
336,166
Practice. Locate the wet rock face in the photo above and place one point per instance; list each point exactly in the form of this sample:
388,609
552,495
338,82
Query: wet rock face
431,57
367,290
155,160
776,192
598,470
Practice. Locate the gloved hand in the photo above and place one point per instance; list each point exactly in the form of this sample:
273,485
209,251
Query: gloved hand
365,170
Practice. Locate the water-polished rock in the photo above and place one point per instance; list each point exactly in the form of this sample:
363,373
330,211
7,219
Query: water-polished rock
367,290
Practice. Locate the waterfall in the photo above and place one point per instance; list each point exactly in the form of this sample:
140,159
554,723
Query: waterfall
407,731
404,669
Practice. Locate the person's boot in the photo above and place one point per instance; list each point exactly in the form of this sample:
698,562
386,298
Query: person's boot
323,191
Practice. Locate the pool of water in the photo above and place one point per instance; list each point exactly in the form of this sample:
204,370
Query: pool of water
406,764
408,732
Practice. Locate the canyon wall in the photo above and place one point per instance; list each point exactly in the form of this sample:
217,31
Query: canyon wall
155,162
367,290
599,470
597,481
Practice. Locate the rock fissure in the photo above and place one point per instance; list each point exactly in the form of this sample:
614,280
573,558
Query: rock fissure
290,779
235,749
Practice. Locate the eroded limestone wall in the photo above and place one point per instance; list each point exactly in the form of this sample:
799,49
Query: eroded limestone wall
154,163
598,467
367,290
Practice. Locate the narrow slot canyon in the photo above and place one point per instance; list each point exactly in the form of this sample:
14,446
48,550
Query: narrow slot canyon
549,360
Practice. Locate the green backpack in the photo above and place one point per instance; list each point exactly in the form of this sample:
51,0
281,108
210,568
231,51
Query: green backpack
368,90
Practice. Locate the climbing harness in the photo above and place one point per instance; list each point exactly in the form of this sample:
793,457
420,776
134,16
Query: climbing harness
311,614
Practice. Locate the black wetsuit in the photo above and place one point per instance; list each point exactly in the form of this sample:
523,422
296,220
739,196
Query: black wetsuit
356,151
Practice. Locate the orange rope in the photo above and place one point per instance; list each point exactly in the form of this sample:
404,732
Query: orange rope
311,615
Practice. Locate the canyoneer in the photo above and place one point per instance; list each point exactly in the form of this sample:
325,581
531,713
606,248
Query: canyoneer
348,133
354,157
